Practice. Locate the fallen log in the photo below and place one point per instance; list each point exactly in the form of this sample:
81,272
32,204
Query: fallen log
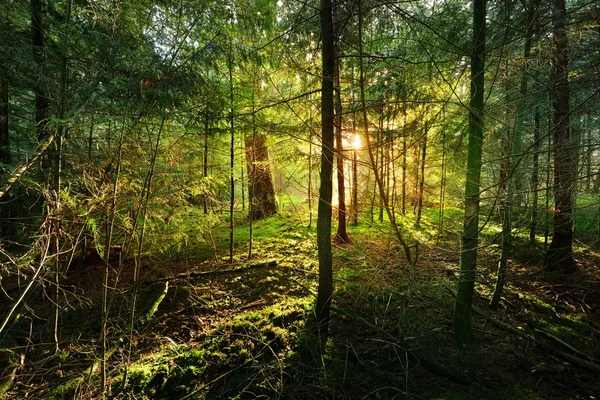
198,274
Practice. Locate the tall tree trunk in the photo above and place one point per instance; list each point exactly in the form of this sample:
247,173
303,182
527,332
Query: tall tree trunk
535,178
355,187
442,177
589,151
37,40
251,176
514,157
231,153
404,149
325,288
548,184
342,234
378,178
422,181
463,330
559,257
205,164
5,157
310,151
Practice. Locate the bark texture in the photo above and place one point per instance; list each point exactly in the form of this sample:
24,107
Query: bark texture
261,192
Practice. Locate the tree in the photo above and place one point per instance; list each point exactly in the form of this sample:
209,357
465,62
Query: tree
261,193
559,257
324,212
341,234
463,330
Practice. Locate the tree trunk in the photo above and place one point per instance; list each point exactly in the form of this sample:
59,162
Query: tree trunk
261,192
422,181
4,120
231,153
325,289
354,187
342,234
559,257
535,178
404,167
513,155
548,184
205,164
37,40
442,177
463,330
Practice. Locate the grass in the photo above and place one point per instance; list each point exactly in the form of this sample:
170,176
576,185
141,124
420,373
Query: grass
239,334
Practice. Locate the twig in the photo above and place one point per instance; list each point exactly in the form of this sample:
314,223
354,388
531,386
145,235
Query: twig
589,364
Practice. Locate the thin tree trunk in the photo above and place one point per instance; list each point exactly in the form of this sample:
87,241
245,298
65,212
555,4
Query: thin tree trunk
38,41
415,188
588,154
378,179
442,178
310,188
205,163
252,176
5,156
231,154
342,234
463,330
354,187
535,178
548,185
91,135
513,170
57,168
422,181
404,167
105,280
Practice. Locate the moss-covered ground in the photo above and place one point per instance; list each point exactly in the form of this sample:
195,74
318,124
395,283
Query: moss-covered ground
205,328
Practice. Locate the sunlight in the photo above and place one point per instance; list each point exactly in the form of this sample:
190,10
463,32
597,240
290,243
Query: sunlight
357,144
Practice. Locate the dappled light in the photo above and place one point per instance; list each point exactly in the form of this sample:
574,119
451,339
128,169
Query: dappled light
325,199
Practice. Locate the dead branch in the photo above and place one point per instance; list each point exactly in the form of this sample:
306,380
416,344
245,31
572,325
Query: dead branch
198,274
26,165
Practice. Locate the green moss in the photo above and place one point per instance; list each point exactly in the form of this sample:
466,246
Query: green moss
346,273
67,389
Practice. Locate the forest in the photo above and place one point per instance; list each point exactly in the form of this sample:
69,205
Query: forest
300,199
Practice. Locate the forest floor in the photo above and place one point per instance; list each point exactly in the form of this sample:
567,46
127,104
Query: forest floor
206,328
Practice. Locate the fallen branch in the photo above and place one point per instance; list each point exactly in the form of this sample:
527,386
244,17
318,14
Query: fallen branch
26,165
428,362
271,263
591,365
563,343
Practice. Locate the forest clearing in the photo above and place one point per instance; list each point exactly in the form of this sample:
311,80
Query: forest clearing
262,199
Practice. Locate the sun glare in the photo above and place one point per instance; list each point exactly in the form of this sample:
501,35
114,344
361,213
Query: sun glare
356,143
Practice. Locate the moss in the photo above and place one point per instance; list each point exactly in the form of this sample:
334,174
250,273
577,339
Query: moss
66,389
